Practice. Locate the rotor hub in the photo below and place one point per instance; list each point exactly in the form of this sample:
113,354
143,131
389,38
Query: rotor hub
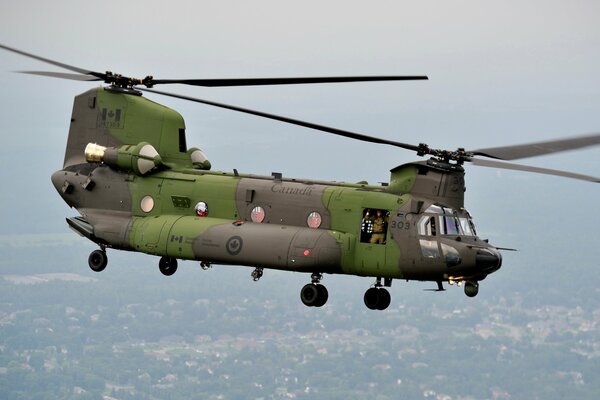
460,155
121,81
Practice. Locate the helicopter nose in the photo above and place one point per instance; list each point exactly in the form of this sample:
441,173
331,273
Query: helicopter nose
488,260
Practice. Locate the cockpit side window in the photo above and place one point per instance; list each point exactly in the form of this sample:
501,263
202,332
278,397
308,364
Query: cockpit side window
466,226
427,226
438,220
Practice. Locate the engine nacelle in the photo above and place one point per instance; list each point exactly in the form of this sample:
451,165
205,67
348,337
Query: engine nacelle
198,158
141,158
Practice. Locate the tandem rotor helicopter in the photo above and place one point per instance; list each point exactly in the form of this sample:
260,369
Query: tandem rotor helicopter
137,186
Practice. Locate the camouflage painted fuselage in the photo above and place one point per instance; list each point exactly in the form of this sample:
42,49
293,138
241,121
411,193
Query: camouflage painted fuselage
303,226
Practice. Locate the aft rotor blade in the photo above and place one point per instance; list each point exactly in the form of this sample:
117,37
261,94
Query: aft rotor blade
335,131
539,148
283,81
62,75
56,63
528,168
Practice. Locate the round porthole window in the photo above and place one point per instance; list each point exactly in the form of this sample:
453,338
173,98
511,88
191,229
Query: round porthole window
314,220
202,209
147,204
257,214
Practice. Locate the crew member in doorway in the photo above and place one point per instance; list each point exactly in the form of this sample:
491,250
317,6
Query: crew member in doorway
379,227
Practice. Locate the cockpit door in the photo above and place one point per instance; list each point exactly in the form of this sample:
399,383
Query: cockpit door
428,231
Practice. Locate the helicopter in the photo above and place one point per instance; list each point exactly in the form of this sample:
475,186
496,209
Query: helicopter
137,186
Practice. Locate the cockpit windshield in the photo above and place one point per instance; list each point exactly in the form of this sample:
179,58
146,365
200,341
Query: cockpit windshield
466,224
439,220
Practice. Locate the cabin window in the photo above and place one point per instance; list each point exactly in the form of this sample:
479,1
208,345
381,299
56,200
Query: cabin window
147,204
314,220
201,209
257,214
374,224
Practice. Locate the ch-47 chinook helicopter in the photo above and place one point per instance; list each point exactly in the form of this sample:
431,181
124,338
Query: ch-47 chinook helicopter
137,186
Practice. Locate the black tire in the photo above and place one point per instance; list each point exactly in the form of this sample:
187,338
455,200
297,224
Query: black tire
309,295
167,265
384,299
97,260
372,298
377,298
322,296
471,289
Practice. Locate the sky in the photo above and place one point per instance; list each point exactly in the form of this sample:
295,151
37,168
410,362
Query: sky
500,73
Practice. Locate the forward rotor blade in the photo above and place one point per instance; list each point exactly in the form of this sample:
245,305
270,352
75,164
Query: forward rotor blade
539,148
56,63
335,131
283,81
528,168
62,75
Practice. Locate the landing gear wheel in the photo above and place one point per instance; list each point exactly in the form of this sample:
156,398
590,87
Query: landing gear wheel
205,265
471,288
323,296
167,265
371,297
314,295
97,260
309,294
377,298
384,299
256,274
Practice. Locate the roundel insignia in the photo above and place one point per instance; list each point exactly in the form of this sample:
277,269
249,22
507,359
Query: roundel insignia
234,245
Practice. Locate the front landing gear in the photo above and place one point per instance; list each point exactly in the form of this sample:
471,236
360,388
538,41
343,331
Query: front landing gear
98,260
167,265
314,294
471,288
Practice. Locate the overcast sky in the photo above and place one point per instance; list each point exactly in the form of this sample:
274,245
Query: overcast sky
500,73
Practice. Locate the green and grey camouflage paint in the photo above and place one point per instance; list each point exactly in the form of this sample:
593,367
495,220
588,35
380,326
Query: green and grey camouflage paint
140,191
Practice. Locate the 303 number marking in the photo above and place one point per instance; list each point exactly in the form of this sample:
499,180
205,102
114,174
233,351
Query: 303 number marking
401,225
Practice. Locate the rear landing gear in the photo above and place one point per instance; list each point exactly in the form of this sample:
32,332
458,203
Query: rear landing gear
167,265
314,294
377,297
98,260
